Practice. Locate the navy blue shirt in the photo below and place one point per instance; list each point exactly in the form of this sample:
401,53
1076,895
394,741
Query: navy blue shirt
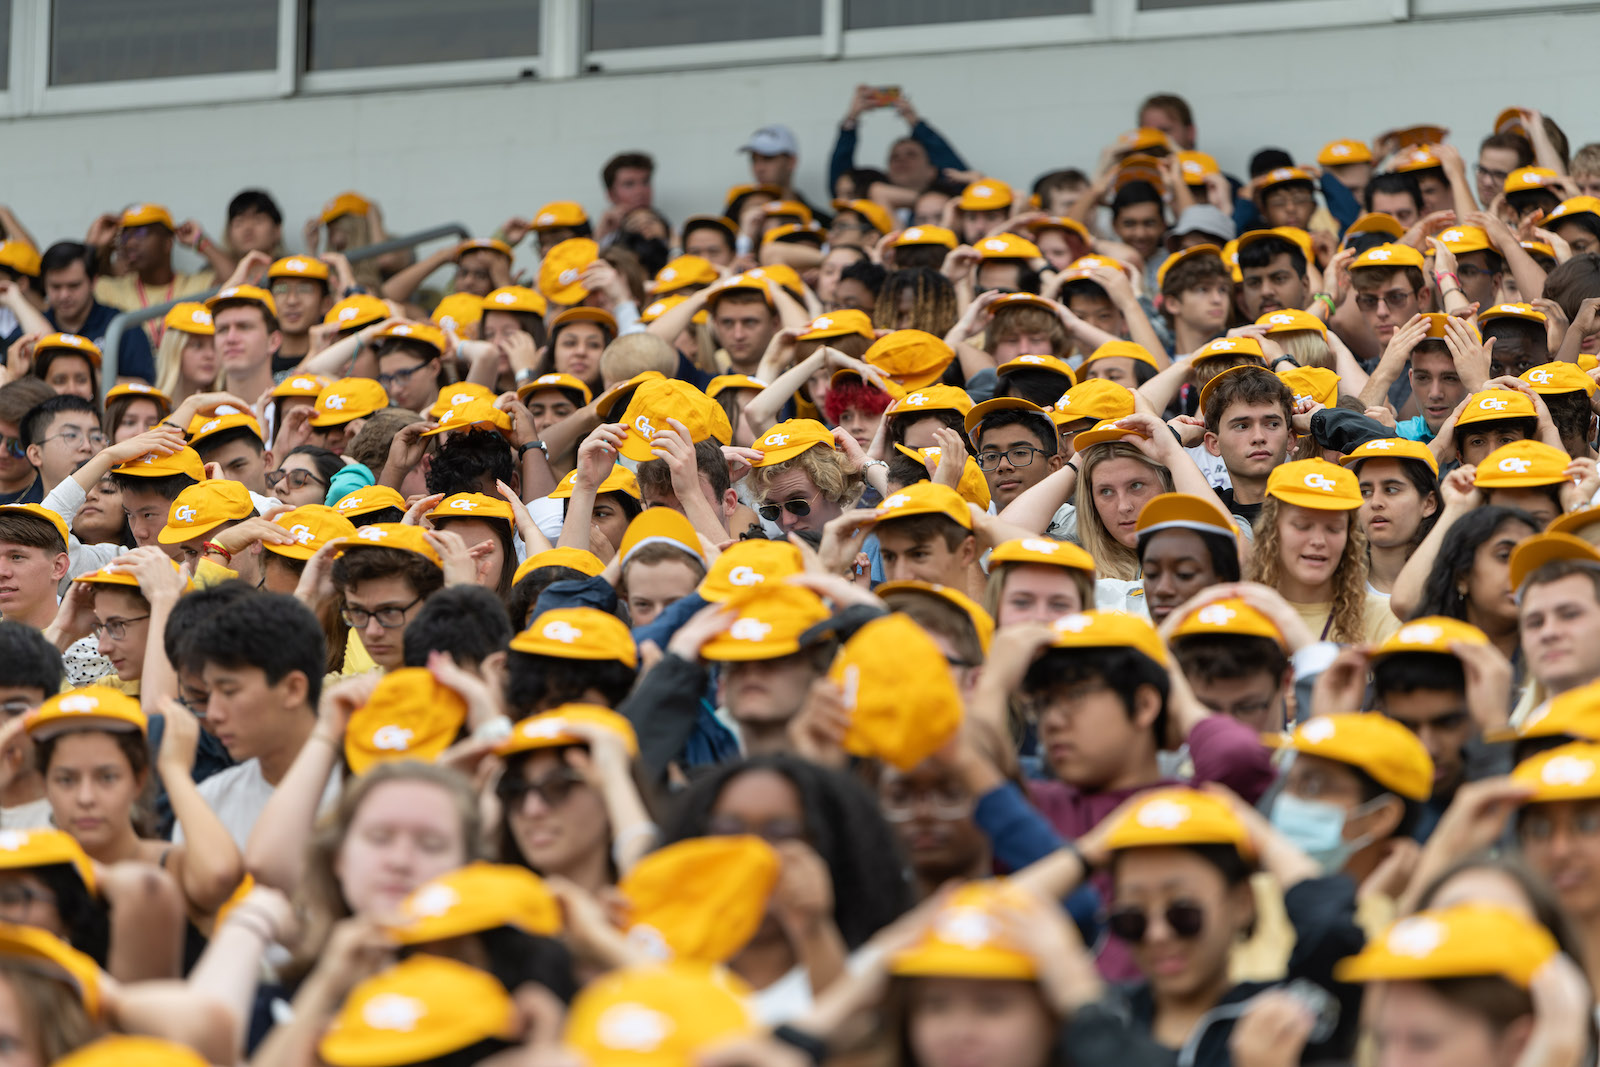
134,358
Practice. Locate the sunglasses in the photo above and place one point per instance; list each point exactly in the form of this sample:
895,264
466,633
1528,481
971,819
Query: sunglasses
799,508
553,790
1184,918
298,478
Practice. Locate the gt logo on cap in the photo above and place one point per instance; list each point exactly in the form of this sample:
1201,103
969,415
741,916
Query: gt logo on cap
749,629
184,514
822,323
916,400
1491,403
1515,465
1380,445
302,533
463,505
1421,634
1163,814
1036,544
391,738
745,575
1281,320
1541,377
561,631
371,533
212,425
898,500
774,440
1074,623
1416,937
1567,770
336,402
642,424
11,840
1379,253
633,1028
1216,614
1226,344
1319,481
391,1011
78,704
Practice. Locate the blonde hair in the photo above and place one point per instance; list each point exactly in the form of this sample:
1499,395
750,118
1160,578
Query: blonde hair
1347,618
995,588
1009,322
824,466
1112,558
635,353
1586,161
53,1018
357,230
169,365
1309,348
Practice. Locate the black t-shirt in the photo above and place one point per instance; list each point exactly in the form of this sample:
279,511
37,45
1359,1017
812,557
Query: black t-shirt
1247,512
34,494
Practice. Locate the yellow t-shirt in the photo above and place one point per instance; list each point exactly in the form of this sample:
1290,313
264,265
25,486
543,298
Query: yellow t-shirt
125,293
1377,621
1265,956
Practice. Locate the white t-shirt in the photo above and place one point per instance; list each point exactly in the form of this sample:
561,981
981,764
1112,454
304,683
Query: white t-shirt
238,794
1211,466
34,815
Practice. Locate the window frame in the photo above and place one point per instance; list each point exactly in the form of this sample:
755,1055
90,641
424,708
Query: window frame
713,55
1425,9
19,60
1224,18
1095,25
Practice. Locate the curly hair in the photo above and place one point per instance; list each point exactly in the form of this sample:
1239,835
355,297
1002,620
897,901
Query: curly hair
827,468
1346,621
933,301
1112,558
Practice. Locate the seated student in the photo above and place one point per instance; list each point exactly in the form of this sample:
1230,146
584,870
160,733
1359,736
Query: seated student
854,406
1274,276
465,621
1480,268
1186,544
382,576
1418,679
149,485
1196,288
1577,222
913,419
1437,382
1527,191
60,435
19,479
236,444
471,462
656,488
1249,416
1004,265
1530,476
34,674
802,481
1566,392
1490,420
33,560
1389,288
1399,482
570,656
1128,364
1024,324
482,520
1395,195
202,510
262,660
1038,580
410,363
925,534
131,597
1559,615
68,364
1039,379
1302,336
341,403
958,625
1084,406
1236,660
300,293
1015,446
662,562
1309,547
540,571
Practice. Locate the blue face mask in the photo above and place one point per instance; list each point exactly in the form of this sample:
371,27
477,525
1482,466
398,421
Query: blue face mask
1316,828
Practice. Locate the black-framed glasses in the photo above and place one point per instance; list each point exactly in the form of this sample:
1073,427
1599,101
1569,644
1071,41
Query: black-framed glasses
391,617
1184,918
944,804
298,478
1397,299
116,629
15,896
553,789
390,381
1497,176
800,507
74,436
1017,456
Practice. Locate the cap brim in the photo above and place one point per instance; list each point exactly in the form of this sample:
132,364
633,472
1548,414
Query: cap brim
175,535
1315,501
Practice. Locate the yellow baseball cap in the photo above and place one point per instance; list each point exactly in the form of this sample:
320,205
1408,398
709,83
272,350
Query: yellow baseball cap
410,715
715,386
354,311
657,308
21,257
299,267
797,232
700,899
475,899
576,389
1465,941
1139,168
924,498
578,633
126,1050
312,526
190,317
1315,484
1431,633
682,272
1574,522
106,576
458,394
1464,239
242,294
620,480
1081,267
789,209
1377,222
1525,178
1119,350
39,511
1577,205
1521,464
967,939
366,500
1574,714
1525,312
926,235
67,342
457,310
746,565
1232,348
1534,552
421,332
1178,815
973,486
554,728
660,526
94,707
26,849
930,398
203,507
1282,176
1108,629
902,702
911,357
1391,256
473,506
420,1009
1007,246
659,1015
789,438
1013,300
1376,744
1559,377
659,399
769,620
185,461
302,385
1143,139
1494,404
486,244
1197,166
1094,398
347,399
204,426
1390,448
1232,616
393,535
37,949
162,401
1042,550
599,316
841,323
574,558
1338,153
1104,432
1291,320
346,204
561,268
986,194
515,298
982,621
559,214
875,215
1192,252
1568,772
1417,155
147,215
475,414
749,281
1317,384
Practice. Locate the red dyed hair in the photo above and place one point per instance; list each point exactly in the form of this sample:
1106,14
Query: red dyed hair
853,393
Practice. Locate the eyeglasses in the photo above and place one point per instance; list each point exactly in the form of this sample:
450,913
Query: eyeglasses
1020,456
13,447
12,708
553,790
800,508
73,436
1497,176
390,618
1397,299
17,896
1184,918
946,805
298,478
116,629
1467,272
389,381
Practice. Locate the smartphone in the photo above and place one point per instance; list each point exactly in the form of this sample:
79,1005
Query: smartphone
886,95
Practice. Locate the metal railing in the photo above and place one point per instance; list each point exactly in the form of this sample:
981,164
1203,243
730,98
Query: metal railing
111,344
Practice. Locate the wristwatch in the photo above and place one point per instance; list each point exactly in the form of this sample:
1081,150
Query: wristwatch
524,376
522,450
875,463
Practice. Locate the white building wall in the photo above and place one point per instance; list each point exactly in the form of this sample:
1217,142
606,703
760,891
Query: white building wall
480,154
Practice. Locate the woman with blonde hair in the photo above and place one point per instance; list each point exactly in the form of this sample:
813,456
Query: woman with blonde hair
1310,548
186,361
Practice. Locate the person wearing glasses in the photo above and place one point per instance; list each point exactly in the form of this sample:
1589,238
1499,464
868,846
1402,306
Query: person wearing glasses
1017,447
304,476
802,480
410,364
383,576
60,435
129,599
19,479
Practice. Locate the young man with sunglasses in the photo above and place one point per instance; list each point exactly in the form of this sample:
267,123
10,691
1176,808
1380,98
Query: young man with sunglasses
19,479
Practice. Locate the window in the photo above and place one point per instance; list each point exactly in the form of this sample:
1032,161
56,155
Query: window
876,14
1169,5
93,41
616,24
359,34
5,45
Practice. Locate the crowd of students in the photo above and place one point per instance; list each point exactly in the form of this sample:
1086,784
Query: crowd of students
1151,617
